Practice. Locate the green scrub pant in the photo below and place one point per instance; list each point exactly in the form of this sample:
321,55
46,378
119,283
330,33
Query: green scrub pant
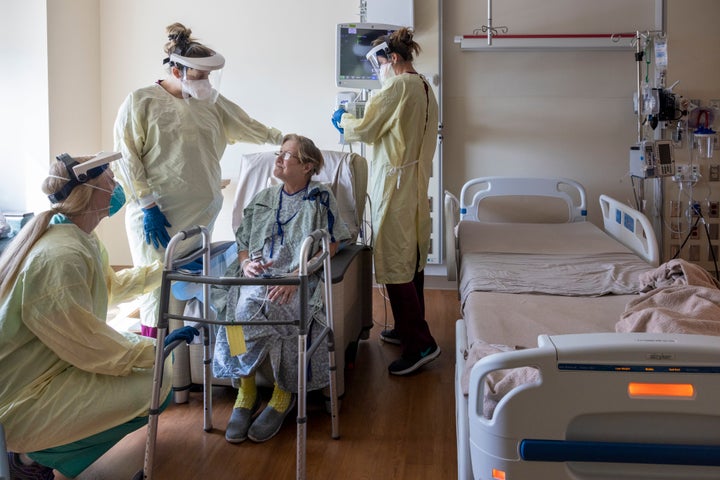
73,458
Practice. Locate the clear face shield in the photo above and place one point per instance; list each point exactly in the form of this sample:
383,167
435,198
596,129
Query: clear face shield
201,76
378,56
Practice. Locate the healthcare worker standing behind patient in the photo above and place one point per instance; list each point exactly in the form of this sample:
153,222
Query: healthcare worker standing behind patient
401,123
172,135
70,385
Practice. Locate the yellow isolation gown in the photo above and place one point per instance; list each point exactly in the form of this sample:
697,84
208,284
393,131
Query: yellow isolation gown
65,374
401,123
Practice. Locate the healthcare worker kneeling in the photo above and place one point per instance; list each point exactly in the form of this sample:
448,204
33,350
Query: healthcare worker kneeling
70,385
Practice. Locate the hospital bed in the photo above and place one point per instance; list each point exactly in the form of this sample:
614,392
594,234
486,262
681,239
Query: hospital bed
346,174
531,271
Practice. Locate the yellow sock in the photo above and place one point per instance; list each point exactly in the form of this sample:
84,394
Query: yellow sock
247,393
280,399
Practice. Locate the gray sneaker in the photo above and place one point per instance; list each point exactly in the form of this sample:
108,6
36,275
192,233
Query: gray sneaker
239,423
405,365
269,422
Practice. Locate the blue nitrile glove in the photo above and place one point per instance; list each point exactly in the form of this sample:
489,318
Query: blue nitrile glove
337,116
186,333
154,224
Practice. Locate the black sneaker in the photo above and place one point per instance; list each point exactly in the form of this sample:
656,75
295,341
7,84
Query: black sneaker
20,471
390,336
403,365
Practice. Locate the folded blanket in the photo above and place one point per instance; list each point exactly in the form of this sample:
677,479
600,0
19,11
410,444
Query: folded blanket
680,298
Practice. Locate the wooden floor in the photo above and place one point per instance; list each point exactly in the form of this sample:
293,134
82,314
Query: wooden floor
390,427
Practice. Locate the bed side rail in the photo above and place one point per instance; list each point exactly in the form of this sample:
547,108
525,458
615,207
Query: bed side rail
451,217
570,191
631,228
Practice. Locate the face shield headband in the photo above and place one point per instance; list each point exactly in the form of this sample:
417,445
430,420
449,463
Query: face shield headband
213,62
82,172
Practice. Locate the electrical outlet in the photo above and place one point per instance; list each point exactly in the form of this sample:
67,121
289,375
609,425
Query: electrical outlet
714,175
713,229
674,208
714,209
694,233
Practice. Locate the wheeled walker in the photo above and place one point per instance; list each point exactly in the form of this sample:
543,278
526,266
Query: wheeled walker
307,267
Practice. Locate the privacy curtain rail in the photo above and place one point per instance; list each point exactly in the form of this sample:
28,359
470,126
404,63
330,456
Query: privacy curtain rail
579,41
491,40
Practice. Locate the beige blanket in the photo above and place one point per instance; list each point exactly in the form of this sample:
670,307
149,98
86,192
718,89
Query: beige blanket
499,382
679,297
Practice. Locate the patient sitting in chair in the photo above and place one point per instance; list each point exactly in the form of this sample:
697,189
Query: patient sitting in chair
274,226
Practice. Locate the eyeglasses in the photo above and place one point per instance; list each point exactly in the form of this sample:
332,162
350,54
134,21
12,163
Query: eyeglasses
287,155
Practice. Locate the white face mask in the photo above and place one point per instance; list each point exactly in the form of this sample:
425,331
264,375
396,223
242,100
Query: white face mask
199,89
386,72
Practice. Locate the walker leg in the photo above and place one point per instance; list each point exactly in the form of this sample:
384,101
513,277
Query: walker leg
301,409
154,404
332,372
207,379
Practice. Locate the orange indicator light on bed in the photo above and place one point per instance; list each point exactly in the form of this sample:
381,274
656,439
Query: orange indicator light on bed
498,474
684,390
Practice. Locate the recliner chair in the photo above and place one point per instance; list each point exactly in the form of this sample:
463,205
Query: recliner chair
346,173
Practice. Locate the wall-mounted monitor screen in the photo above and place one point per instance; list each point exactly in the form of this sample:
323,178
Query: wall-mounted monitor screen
354,41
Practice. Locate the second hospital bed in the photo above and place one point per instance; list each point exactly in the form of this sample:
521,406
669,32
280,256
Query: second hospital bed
531,271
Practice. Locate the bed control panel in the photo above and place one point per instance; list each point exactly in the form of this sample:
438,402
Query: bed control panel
636,352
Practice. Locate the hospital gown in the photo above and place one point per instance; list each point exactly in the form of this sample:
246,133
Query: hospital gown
277,224
64,373
401,123
173,149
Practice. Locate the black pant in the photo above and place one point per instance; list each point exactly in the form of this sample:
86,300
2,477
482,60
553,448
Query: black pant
407,301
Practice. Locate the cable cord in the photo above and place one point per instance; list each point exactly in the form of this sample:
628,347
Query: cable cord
687,237
712,250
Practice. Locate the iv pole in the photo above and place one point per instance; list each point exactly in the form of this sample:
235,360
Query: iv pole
364,92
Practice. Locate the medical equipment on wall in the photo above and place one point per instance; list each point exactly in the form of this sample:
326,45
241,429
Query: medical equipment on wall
704,137
651,159
352,67
352,102
353,42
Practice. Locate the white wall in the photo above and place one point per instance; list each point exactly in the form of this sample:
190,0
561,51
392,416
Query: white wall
24,123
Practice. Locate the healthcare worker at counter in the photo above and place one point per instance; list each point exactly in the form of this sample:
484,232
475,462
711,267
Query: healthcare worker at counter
401,123
70,385
172,135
